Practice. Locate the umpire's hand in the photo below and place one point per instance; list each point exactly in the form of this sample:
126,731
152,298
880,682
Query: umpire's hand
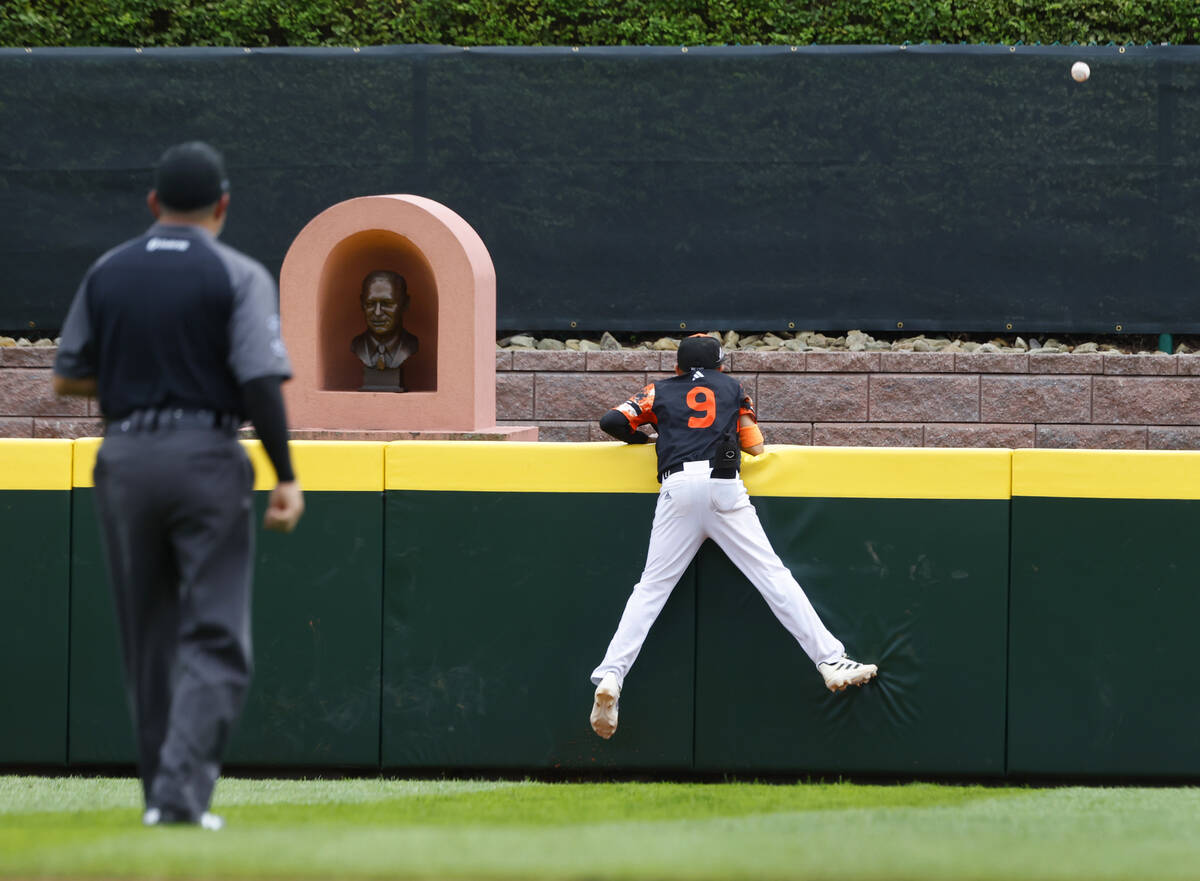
284,507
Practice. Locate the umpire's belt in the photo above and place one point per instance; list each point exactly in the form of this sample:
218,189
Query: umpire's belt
173,418
728,472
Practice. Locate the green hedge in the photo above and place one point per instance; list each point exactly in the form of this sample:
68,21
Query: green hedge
590,22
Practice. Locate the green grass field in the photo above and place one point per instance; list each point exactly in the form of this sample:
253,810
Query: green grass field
373,828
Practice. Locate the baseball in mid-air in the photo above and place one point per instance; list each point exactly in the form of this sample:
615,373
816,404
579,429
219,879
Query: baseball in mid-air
1080,71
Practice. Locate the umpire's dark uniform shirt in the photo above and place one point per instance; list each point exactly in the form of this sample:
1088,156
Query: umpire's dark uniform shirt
172,324
173,319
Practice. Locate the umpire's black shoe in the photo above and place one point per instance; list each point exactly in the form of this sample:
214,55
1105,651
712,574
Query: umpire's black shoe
157,817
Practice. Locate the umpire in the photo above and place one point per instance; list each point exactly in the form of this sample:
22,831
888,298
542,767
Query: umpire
178,337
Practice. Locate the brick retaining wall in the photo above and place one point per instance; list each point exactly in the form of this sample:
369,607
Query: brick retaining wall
28,407
934,399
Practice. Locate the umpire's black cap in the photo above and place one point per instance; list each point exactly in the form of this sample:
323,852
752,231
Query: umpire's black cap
699,350
190,176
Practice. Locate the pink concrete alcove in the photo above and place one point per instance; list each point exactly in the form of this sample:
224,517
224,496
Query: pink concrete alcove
451,380
341,317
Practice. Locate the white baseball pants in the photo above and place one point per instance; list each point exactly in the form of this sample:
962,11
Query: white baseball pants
692,507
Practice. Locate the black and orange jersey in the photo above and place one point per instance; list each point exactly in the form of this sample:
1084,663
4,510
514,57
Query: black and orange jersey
693,413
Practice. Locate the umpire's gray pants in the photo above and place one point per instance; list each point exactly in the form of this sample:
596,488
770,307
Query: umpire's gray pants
176,509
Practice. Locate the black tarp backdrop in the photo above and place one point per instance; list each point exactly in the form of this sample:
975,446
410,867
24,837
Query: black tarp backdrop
942,187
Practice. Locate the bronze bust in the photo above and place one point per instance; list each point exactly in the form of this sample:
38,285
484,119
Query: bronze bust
385,345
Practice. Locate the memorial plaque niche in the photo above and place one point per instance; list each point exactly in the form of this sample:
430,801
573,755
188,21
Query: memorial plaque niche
422,282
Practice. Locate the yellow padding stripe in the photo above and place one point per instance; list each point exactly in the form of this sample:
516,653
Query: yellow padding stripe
873,473
85,460
823,472
502,466
35,464
327,466
1107,474
827,472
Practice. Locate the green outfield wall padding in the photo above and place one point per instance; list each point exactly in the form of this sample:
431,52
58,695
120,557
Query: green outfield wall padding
498,605
317,632
1103,678
318,595
100,730
919,587
34,545
1032,613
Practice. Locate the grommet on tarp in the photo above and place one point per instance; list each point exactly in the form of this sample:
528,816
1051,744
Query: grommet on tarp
899,325
1118,328
683,325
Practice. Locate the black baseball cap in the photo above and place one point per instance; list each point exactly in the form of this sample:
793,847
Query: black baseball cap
699,350
190,176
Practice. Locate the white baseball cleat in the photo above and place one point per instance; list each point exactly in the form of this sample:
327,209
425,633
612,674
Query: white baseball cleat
604,708
841,672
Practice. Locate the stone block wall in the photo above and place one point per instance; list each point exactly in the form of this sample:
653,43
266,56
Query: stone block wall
28,406
932,399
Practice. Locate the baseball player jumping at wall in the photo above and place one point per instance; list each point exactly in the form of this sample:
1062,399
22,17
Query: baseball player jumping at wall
704,418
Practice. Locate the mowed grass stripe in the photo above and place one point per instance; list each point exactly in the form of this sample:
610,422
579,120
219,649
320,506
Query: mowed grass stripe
501,830
23,795
488,802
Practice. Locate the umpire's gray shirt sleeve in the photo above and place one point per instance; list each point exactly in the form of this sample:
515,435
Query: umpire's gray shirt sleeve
255,347
76,358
